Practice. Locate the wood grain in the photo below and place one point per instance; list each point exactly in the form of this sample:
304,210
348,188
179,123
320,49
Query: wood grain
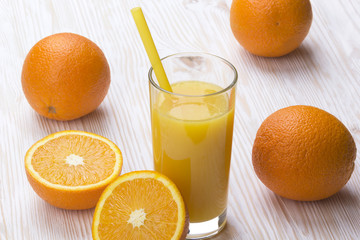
323,72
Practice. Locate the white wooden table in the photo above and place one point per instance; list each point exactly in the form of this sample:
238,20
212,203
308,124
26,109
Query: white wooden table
323,72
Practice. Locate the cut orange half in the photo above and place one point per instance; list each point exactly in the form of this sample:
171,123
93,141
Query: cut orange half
140,205
70,169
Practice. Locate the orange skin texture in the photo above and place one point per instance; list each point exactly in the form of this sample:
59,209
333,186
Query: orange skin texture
270,28
65,76
71,199
303,153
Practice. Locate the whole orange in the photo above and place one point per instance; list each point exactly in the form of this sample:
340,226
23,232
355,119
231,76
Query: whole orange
65,76
270,28
303,153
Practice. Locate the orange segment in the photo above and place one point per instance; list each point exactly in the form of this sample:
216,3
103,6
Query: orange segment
70,169
74,164
140,205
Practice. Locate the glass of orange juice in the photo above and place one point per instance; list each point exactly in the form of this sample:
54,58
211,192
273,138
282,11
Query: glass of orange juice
192,129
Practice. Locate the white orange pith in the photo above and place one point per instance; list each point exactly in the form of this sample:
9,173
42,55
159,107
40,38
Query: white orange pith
140,205
70,169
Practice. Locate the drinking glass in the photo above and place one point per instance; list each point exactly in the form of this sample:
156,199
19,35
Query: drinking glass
192,129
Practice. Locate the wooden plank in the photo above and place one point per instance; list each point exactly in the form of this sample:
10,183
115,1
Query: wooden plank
323,72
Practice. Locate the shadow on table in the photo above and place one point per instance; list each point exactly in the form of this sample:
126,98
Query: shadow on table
332,213
60,223
230,232
92,122
296,62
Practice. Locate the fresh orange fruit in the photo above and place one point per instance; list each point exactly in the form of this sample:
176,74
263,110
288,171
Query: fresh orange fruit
303,153
270,28
70,169
65,76
140,205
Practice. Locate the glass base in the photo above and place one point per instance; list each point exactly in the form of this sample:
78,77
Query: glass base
207,229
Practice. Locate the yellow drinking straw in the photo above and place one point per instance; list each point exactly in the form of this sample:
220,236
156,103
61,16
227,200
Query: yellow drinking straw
150,48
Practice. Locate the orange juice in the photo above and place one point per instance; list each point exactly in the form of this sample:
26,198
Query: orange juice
192,139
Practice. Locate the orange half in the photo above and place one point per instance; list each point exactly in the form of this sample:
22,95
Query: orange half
70,169
140,205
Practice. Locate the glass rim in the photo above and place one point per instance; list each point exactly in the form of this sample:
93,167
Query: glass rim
225,89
